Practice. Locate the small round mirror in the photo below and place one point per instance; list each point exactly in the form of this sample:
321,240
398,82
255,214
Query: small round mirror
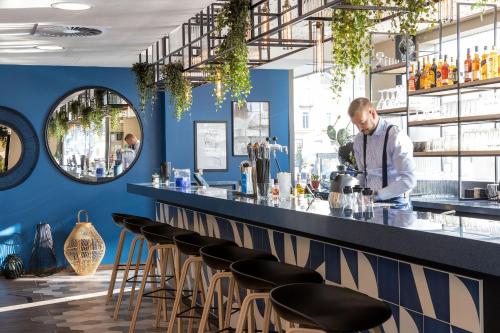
93,135
11,149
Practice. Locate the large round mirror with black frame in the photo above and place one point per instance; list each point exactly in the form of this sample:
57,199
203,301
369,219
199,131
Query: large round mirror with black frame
93,135
18,148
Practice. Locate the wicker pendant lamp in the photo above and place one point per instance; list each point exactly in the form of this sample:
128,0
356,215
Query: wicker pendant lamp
84,248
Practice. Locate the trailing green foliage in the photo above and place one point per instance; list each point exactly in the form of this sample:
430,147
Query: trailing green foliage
351,45
145,82
232,54
59,125
179,88
4,135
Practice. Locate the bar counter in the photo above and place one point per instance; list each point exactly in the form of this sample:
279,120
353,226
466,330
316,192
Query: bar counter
439,273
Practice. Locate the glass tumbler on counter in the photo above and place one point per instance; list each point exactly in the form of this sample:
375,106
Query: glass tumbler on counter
182,177
285,184
367,203
263,191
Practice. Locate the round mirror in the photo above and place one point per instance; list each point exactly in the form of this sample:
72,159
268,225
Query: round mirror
93,135
18,148
11,148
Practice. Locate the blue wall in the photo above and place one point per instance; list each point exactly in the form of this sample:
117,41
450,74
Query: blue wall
49,196
268,85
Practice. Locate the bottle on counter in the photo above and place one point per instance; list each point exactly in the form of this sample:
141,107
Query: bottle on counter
347,201
276,190
484,64
425,78
367,203
358,201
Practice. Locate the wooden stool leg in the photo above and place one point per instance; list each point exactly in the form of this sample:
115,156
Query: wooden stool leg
247,304
125,277
220,306
251,319
178,295
209,298
137,307
118,257
229,303
277,322
194,297
267,315
162,302
136,272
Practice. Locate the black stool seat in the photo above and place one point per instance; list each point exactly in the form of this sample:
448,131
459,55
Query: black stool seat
191,243
118,218
162,233
220,257
329,308
264,275
135,224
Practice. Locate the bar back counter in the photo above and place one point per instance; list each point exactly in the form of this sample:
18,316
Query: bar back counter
439,273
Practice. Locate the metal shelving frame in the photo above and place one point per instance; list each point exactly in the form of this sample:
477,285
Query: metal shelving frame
459,89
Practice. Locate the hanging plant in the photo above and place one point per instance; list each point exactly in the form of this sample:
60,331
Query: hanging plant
114,118
351,45
86,117
96,119
4,135
59,125
99,97
74,108
145,82
179,88
232,53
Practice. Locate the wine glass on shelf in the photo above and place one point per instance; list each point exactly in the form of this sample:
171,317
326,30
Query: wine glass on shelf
381,101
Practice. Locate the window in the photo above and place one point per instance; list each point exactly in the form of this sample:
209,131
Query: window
305,119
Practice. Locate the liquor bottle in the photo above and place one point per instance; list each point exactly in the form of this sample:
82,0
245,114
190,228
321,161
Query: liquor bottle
493,63
453,72
445,68
476,63
424,75
484,64
418,74
439,82
433,73
411,80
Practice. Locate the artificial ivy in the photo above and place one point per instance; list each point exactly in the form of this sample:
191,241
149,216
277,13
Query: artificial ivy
179,88
351,45
232,54
145,82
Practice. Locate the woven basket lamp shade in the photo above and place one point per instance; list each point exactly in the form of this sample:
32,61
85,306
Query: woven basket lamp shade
84,248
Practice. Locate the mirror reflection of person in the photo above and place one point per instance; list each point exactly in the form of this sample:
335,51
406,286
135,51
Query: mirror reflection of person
383,153
132,142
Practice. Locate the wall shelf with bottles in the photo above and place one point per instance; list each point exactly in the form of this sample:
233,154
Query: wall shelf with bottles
398,69
463,153
466,87
395,111
455,120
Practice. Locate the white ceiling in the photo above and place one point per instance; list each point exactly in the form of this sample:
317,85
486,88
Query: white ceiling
129,27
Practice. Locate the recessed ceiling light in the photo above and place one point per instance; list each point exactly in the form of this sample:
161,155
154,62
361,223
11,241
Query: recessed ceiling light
71,5
49,47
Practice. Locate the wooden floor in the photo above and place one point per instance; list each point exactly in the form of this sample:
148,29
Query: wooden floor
66,303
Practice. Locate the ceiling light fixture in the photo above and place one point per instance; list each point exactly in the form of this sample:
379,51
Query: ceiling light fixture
49,47
71,5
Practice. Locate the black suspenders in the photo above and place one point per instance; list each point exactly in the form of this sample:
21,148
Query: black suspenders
384,157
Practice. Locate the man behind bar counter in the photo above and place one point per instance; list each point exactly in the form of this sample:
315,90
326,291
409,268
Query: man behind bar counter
383,153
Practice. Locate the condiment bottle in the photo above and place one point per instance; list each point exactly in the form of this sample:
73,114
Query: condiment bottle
367,203
347,201
358,201
276,190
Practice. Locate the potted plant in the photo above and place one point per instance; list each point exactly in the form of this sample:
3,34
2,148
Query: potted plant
145,82
315,181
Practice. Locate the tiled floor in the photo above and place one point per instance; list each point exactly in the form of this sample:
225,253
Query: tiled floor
66,303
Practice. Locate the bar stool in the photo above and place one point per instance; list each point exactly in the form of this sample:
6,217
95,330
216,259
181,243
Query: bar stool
160,237
260,277
324,308
219,258
118,219
190,245
134,226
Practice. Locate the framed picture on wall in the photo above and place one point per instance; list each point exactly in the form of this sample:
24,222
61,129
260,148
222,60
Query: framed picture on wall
210,145
250,124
